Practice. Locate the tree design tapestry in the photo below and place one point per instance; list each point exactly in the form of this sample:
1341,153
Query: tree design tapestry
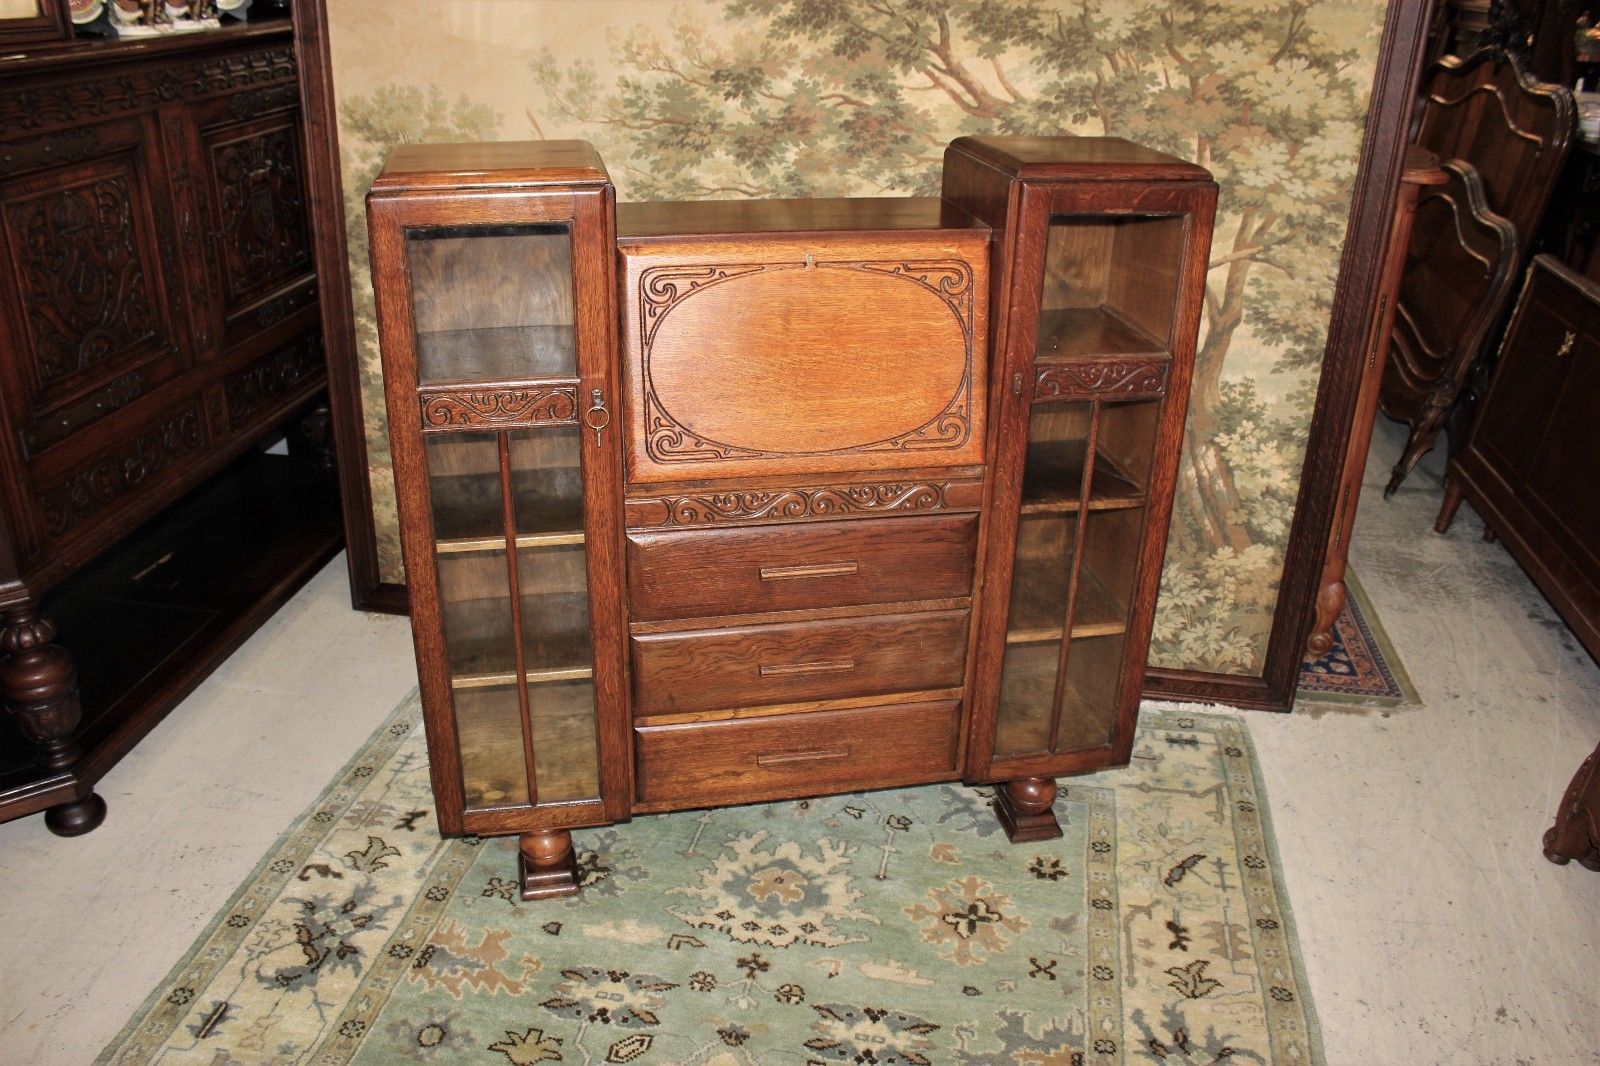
782,98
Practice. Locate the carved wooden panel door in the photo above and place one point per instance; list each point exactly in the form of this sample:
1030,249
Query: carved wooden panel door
249,185
1100,306
96,316
496,312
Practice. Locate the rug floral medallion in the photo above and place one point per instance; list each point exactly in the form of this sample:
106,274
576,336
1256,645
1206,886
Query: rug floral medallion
885,928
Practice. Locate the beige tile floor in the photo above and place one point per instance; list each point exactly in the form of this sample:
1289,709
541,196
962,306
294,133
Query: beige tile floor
1433,930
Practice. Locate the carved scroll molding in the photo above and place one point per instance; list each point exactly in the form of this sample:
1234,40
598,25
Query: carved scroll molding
535,405
69,103
1101,377
263,382
667,440
121,470
800,503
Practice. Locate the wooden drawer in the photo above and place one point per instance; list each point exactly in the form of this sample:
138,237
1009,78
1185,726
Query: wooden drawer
779,568
788,662
748,760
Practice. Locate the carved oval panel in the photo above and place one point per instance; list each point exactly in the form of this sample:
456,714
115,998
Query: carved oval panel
818,359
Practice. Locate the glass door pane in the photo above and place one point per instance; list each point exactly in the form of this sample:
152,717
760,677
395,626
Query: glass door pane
509,536
558,651
1109,285
492,303
1108,289
1041,581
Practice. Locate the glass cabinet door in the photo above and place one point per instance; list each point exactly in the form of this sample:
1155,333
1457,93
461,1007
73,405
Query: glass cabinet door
1100,360
504,444
513,591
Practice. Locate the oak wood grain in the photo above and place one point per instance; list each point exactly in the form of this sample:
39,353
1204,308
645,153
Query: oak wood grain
811,754
710,572
787,662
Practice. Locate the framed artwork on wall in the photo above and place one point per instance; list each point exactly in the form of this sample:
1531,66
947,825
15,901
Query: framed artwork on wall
33,21
1300,112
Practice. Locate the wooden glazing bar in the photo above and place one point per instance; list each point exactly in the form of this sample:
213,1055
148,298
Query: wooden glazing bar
1090,455
508,507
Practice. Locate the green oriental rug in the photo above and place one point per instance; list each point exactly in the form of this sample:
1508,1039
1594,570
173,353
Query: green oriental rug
885,928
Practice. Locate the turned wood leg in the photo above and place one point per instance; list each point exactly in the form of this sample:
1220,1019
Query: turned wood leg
1023,807
1576,833
548,865
1420,442
312,437
1447,511
40,687
1330,602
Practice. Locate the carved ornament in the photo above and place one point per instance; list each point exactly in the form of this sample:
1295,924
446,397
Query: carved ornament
1101,377
539,405
663,288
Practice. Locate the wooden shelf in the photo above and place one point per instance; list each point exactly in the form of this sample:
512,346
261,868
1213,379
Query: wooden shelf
1039,604
489,730
1079,332
1026,690
1038,600
1053,474
467,513
1096,612
555,639
502,353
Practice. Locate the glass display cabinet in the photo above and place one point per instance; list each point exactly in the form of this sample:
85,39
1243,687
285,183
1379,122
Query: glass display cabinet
1100,265
495,310
711,503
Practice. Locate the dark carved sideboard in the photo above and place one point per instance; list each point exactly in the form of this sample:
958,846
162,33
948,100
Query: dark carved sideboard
158,321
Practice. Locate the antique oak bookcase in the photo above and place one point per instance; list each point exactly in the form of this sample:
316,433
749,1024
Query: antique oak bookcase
725,502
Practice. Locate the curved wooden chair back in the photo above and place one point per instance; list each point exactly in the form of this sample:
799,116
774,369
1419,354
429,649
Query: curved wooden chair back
1488,110
1460,265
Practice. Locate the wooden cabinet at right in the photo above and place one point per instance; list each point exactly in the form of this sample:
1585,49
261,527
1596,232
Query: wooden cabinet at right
1528,463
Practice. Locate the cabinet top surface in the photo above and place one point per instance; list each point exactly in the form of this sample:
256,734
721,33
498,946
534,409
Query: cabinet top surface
1078,158
86,53
639,221
490,164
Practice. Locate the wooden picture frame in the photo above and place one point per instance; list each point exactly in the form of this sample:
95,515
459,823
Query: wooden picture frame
50,24
1399,63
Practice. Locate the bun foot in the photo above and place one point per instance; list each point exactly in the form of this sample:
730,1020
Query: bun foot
76,818
1023,807
547,864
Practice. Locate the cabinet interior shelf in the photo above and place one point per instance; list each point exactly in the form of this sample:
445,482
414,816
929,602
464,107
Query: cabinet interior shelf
555,638
496,353
1054,473
493,771
1080,332
468,515
524,540
1038,599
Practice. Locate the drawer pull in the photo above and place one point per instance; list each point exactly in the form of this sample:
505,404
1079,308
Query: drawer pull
1566,344
791,573
821,666
786,757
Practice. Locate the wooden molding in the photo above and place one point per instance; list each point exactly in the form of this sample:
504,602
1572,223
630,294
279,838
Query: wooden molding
325,205
535,405
802,503
1121,378
1399,66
